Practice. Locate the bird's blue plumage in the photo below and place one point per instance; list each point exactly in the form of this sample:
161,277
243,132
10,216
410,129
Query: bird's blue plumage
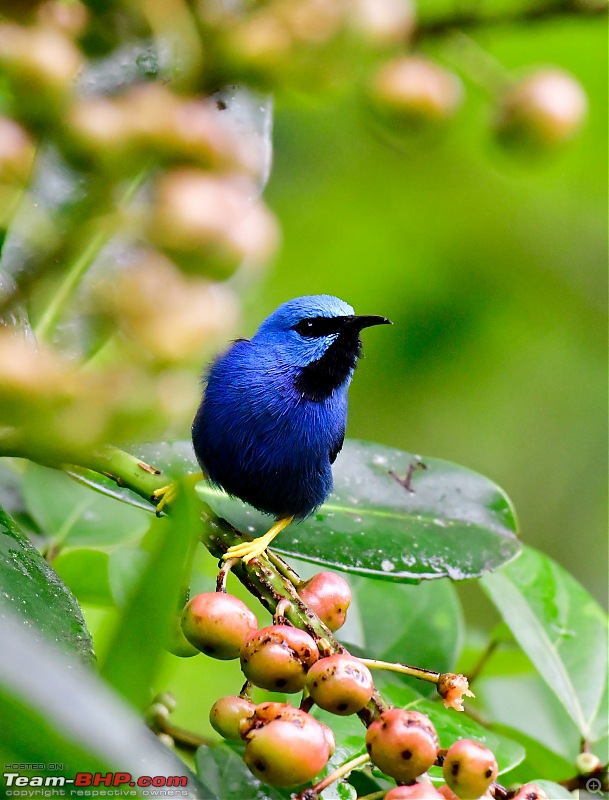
274,410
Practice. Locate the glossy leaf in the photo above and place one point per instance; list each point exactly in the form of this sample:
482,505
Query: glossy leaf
561,629
74,515
423,624
50,705
454,523
32,589
225,772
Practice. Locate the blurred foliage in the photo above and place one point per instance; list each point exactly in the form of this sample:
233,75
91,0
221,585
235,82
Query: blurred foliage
440,164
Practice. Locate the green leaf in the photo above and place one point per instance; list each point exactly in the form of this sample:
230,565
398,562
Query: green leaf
554,790
540,760
455,523
526,703
74,515
561,629
85,573
135,651
32,589
424,626
225,772
452,725
53,706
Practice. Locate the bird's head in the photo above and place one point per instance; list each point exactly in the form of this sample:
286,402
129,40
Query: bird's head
317,336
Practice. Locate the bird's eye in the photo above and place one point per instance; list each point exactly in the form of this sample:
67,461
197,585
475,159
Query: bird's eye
317,326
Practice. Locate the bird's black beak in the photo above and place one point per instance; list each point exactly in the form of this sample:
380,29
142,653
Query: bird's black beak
358,323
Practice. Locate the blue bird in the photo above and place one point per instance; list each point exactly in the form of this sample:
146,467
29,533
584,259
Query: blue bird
274,410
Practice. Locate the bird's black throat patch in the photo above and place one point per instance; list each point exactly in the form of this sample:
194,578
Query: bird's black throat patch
320,378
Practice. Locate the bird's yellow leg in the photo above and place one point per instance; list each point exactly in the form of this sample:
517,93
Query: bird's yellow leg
167,494
249,550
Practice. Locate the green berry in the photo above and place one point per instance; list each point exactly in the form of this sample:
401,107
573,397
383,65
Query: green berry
340,684
403,744
277,658
329,596
288,749
469,769
218,624
228,714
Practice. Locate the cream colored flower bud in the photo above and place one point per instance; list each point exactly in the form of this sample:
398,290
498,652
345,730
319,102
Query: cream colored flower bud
414,88
546,108
384,22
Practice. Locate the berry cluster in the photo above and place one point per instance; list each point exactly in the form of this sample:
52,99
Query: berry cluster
285,746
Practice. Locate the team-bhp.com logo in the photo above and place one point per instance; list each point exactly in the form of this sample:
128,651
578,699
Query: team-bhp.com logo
93,784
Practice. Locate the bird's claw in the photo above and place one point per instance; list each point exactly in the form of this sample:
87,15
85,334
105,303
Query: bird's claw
247,551
165,496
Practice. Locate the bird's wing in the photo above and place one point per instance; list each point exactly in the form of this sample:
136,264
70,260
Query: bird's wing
337,446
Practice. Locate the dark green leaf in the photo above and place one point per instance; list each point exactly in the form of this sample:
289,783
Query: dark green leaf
85,572
56,712
454,523
226,774
561,629
135,651
424,625
74,515
31,588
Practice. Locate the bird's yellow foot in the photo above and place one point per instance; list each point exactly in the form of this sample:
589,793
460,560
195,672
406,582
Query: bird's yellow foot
247,551
167,494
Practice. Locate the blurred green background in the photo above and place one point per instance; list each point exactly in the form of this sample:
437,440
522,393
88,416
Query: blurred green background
493,270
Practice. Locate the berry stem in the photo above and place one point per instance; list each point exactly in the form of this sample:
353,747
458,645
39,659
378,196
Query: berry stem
340,772
223,574
414,672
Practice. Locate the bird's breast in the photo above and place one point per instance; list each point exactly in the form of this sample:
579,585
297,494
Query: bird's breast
260,439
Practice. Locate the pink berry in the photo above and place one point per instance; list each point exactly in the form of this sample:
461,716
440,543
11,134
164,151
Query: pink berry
329,596
469,769
402,743
285,746
228,714
529,791
340,684
218,624
277,658
418,791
